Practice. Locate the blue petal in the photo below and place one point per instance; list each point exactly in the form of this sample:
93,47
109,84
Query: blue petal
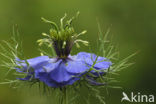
70,82
35,63
28,77
90,58
45,77
51,65
47,67
57,71
60,74
76,66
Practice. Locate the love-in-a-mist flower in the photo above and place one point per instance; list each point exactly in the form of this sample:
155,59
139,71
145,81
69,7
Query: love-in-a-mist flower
63,69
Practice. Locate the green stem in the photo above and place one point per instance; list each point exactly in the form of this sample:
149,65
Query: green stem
65,100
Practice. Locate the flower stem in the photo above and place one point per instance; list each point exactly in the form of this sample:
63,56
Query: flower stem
65,100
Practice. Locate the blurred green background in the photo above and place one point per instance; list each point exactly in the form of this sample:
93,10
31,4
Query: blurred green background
132,23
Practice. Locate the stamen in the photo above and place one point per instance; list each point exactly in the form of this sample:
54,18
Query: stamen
62,38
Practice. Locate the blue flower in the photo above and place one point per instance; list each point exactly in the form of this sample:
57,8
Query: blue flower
59,72
64,69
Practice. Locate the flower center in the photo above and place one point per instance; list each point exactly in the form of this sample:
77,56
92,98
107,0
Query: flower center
62,37
63,42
